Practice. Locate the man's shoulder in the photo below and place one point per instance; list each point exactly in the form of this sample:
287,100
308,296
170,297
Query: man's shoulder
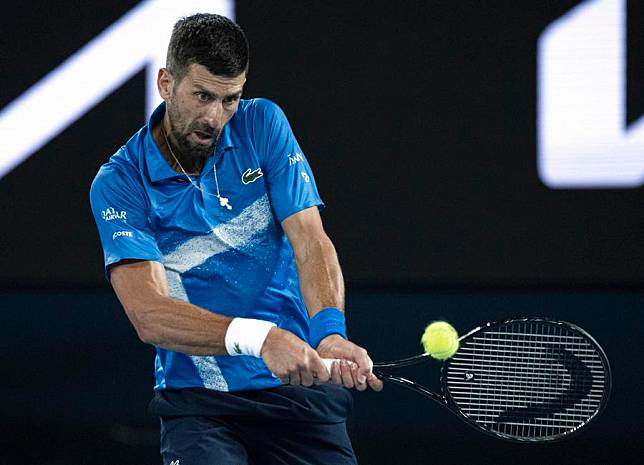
259,104
257,118
125,163
121,173
258,111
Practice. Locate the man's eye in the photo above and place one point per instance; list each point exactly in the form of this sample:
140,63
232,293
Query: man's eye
202,96
230,100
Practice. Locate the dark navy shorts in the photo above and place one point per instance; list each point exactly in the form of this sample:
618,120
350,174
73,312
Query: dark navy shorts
287,425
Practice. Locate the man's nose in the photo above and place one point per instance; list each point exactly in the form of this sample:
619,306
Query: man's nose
215,115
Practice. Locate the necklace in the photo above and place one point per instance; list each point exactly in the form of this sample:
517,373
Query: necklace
223,201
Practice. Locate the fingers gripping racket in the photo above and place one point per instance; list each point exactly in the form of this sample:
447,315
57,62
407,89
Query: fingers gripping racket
524,380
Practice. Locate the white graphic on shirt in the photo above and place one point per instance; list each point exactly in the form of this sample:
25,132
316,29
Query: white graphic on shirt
122,234
110,214
175,287
209,372
305,176
223,237
194,252
293,159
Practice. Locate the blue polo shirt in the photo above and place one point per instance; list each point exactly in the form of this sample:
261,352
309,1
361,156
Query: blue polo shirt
236,262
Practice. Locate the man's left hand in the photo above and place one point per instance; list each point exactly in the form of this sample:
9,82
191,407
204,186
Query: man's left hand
354,368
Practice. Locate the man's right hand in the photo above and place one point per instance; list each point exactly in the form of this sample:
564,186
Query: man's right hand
292,360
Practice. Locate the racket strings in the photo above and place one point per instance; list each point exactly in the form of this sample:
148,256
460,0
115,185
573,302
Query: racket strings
529,379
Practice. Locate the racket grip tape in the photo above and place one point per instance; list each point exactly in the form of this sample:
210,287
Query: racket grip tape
328,362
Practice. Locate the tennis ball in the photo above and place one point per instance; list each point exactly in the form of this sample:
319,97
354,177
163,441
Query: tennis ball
440,340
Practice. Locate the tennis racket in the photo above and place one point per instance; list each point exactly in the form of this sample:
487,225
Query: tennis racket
522,380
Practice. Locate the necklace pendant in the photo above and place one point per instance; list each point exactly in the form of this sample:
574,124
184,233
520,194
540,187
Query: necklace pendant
223,201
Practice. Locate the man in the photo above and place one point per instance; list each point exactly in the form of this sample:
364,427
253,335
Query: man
213,243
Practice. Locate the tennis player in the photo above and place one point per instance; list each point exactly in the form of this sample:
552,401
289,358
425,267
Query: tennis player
208,217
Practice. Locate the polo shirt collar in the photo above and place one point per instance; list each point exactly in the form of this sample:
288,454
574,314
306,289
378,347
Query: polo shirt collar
158,168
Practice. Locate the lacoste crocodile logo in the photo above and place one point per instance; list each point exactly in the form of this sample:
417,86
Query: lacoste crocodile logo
236,348
251,176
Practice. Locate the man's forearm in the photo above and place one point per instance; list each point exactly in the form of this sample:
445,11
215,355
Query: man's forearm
161,320
321,280
182,327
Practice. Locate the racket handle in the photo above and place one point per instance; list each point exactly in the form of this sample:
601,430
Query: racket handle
328,362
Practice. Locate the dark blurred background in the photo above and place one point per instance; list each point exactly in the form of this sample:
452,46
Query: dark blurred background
420,122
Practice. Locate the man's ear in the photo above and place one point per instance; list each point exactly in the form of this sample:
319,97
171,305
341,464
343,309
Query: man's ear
165,83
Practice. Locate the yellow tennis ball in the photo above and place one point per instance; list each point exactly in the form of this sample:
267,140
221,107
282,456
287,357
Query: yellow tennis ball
440,340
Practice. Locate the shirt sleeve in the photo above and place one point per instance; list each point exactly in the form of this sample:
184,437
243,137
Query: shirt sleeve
120,213
291,185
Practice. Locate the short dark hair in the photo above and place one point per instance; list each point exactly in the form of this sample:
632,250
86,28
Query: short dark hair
210,40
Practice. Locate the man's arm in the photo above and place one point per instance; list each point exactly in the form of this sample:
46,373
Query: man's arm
142,289
321,280
322,286
172,324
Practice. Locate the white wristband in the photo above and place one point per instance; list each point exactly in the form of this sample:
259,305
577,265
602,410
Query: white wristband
246,336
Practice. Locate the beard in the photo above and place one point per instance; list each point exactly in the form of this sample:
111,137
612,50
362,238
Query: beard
191,150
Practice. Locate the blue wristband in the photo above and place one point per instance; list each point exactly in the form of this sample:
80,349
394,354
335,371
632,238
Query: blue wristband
327,321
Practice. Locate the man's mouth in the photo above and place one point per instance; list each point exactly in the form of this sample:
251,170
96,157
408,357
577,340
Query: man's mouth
203,137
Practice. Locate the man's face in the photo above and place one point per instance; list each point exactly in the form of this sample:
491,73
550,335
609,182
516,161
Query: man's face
198,107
